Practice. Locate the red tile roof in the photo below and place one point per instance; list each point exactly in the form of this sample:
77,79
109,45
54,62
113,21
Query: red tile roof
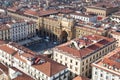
40,13
3,68
81,78
111,59
13,9
23,76
7,49
3,42
49,67
31,12
66,11
92,43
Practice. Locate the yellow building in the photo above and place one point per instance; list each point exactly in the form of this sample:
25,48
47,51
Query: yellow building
84,31
56,27
102,9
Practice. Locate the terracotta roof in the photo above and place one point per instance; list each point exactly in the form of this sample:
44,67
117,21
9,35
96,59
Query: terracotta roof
47,12
104,5
40,13
23,76
66,11
3,42
81,78
111,59
30,12
50,67
7,49
3,68
91,43
13,9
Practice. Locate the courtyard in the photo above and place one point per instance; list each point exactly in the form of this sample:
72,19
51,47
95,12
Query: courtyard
42,46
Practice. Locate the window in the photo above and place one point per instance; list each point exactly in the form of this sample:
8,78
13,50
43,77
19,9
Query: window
101,70
70,61
83,63
95,73
42,74
82,69
76,63
87,61
76,69
56,59
70,66
65,58
86,66
61,56
56,55
97,54
86,73
106,77
65,64
64,76
90,59
70,73
94,57
61,62
101,75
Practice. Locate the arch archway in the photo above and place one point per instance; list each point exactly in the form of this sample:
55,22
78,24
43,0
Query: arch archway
63,36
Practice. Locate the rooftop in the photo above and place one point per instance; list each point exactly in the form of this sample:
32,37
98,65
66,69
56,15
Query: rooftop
19,75
83,14
103,5
3,69
110,62
117,14
8,24
113,58
84,46
81,78
40,62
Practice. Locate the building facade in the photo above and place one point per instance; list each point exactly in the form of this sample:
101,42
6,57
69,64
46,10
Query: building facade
102,9
3,72
107,68
78,54
38,67
82,30
5,18
116,35
61,28
116,17
84,17
17,30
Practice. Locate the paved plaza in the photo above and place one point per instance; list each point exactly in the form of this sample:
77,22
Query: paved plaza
42,46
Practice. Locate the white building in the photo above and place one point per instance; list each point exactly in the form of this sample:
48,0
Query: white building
78,54
20,30
116,17
107,68
17,30
12,73
38,67
84,17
